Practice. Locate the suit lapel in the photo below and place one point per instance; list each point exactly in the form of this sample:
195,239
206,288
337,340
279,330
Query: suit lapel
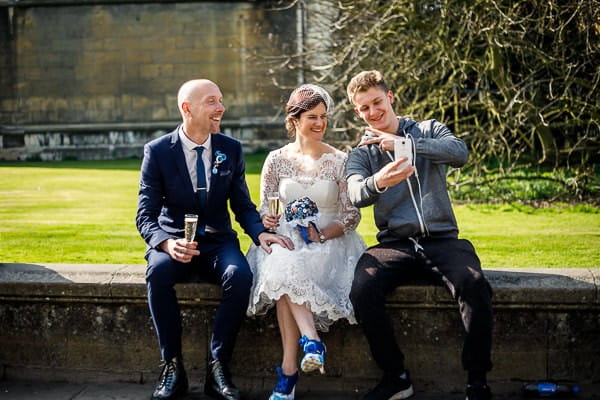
216,180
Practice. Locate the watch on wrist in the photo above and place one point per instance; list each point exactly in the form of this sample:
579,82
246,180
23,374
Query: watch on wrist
321,238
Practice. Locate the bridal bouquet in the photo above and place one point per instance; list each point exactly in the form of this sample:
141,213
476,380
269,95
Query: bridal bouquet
301,213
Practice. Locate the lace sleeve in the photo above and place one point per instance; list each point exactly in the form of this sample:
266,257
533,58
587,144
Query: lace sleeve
269,182
349,214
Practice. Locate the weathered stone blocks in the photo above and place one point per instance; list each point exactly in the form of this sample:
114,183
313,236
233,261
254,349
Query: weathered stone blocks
91,322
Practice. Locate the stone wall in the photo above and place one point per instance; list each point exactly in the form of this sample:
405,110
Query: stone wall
104,63
75,71
91,323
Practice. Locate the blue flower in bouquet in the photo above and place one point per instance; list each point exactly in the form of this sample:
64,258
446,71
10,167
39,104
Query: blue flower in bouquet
300,213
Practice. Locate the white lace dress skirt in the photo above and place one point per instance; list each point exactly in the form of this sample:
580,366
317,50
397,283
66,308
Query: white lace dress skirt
319,275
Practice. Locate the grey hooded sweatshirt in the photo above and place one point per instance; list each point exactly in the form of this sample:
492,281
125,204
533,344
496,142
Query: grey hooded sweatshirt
419,206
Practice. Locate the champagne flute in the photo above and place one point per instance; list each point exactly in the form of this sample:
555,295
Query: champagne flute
191,222
273,201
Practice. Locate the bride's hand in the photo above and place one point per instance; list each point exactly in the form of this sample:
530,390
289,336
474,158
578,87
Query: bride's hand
331,231
313,234
270,221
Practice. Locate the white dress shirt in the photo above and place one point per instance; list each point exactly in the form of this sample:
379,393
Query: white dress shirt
191,156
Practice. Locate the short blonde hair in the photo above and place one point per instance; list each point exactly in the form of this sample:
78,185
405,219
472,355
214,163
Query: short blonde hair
364,81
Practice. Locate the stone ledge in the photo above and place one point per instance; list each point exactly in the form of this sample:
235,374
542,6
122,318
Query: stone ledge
549,287
131,126
91,323
47,3
101,141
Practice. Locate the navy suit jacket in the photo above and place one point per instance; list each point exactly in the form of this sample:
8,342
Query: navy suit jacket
166,193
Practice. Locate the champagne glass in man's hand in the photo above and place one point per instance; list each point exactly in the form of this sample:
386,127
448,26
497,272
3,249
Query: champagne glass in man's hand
191,222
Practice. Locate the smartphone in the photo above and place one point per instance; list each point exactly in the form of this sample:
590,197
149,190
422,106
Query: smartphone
403,148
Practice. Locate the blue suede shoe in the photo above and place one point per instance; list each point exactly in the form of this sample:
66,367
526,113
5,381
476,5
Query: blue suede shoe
314,355
285,386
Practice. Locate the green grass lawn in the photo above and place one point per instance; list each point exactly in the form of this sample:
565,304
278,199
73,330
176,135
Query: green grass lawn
84,212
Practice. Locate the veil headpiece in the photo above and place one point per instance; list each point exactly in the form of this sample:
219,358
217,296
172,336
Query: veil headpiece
307,96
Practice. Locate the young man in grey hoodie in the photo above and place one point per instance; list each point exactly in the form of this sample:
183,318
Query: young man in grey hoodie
418,235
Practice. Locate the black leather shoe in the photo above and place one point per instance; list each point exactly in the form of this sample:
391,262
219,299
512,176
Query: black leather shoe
218,382
172,382
479,391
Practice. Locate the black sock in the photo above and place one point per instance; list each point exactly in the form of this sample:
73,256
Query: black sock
477,378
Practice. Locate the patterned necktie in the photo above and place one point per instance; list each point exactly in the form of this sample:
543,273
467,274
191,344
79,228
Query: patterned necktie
201,187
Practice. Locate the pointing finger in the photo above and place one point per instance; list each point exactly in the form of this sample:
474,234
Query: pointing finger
371,141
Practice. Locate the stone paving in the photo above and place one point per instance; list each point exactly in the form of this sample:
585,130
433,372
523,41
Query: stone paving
23,390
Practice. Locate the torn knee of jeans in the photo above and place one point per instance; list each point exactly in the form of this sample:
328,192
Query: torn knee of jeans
475,273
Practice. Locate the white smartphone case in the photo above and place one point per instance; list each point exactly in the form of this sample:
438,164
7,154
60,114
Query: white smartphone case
403,148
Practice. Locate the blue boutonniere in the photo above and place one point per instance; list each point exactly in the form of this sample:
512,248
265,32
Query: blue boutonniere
219,158
301,213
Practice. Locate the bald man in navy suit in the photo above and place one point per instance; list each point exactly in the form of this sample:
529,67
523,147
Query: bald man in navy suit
196,170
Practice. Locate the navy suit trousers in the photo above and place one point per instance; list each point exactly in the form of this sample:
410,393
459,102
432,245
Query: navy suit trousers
220,262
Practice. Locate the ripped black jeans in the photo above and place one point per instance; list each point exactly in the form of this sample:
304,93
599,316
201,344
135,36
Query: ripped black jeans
451,261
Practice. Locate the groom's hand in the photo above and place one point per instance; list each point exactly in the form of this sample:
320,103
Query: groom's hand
266,239
180,250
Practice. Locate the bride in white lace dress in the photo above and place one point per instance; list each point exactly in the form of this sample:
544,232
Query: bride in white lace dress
310,284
